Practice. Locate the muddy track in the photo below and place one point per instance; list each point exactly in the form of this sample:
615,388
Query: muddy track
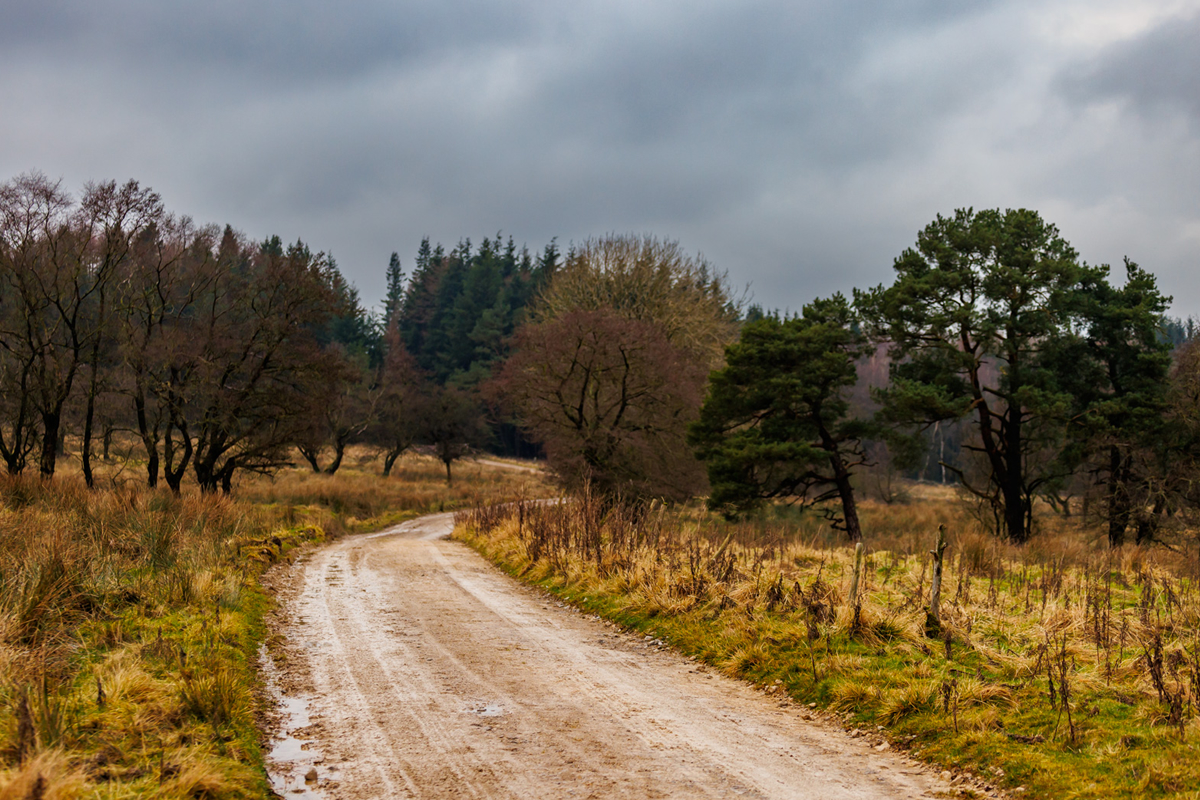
430,674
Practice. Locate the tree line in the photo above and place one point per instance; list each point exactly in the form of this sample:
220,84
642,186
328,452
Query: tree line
629,364
1061,375
219,354
1052,380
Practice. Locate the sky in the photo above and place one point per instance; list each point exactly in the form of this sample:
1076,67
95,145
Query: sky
799,146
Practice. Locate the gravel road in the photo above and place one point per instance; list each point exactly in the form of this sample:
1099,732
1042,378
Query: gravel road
409,667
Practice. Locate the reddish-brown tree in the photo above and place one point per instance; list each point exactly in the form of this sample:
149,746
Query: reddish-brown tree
402,388
170,269
610,398
57,262
260,374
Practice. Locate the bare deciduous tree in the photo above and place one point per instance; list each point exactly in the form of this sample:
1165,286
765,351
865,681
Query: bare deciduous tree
611,399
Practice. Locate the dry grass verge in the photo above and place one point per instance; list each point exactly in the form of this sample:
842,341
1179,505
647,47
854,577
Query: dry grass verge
130,620
1067,671
363,500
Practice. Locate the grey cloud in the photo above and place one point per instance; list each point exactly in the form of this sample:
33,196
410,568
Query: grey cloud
738,75
799,145
1156,72
282,41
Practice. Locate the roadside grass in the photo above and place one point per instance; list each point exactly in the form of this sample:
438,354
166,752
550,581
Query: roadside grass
362,499
1069,671
131,619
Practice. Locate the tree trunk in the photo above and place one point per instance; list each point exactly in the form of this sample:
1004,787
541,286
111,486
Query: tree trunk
339,452
149,438
206,476
1147,524
849,507
389,459
93,389
85,451
310,455
24,435
152,469
841,479
15,450
449,480
173,471
1016,511
51,422
1118,500
12,456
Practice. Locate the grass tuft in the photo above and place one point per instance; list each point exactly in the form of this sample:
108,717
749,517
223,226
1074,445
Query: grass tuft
50,775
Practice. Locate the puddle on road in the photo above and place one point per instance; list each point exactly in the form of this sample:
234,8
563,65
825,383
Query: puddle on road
291,766
486,709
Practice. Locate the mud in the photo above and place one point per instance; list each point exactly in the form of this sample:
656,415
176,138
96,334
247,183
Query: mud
427,673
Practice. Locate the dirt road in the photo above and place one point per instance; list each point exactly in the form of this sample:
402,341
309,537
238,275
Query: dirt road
427,673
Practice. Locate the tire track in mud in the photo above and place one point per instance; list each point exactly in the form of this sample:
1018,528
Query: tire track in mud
428,673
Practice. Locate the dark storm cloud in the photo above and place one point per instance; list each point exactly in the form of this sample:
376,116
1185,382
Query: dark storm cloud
286,41
1157,72
800,145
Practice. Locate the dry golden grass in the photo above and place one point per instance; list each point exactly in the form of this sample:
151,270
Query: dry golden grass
116,609
362,499
50,775
130,619
1114,632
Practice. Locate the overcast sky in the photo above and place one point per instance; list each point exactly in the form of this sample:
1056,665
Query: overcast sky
798,145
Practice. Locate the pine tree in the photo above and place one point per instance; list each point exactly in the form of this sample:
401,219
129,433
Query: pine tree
394,300
1116,369
975,305
777,422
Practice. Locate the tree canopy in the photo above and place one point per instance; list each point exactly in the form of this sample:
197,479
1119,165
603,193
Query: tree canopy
610,369
1115,366
975,307
609,399
776,422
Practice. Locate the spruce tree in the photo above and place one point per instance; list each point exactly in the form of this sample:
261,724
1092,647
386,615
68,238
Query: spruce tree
394,299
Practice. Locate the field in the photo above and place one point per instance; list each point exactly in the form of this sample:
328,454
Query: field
130,619
1063,670
130,622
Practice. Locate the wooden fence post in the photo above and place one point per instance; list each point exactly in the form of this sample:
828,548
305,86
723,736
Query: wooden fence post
933,620
858,558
